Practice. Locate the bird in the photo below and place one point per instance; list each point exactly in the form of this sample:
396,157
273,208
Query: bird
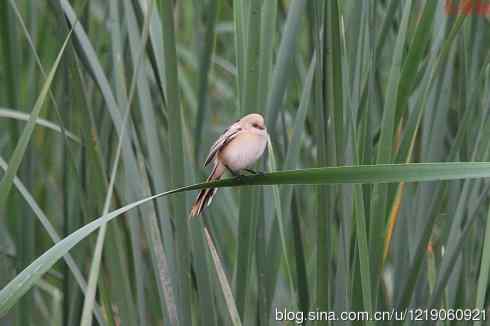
238,148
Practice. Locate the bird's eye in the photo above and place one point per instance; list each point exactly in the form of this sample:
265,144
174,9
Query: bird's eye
255,125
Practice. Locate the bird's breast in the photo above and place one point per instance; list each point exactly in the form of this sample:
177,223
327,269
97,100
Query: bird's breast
243,151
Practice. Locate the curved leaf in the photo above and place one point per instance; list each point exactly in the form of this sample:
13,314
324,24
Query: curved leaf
18,115
14,290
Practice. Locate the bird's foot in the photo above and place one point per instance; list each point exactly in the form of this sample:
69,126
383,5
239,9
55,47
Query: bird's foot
236,174
255,172
239,176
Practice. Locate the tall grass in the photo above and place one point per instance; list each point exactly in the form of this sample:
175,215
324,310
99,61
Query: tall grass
376,191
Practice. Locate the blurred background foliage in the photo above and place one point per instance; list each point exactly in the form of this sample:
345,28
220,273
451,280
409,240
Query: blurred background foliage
105,102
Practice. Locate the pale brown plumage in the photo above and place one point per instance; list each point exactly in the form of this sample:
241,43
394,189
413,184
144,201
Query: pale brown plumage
240,146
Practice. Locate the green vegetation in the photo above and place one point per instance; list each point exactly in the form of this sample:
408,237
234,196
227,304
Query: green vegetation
376,191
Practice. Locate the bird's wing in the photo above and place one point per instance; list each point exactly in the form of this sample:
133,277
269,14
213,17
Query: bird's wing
225,138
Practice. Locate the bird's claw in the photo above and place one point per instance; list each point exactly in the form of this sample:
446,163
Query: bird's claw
261,173
239,177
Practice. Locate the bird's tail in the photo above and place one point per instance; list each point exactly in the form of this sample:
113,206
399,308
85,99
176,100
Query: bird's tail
205,196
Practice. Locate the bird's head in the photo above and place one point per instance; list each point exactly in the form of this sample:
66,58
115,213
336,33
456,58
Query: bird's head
254,122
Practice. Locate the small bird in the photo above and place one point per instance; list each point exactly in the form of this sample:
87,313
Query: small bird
239,147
